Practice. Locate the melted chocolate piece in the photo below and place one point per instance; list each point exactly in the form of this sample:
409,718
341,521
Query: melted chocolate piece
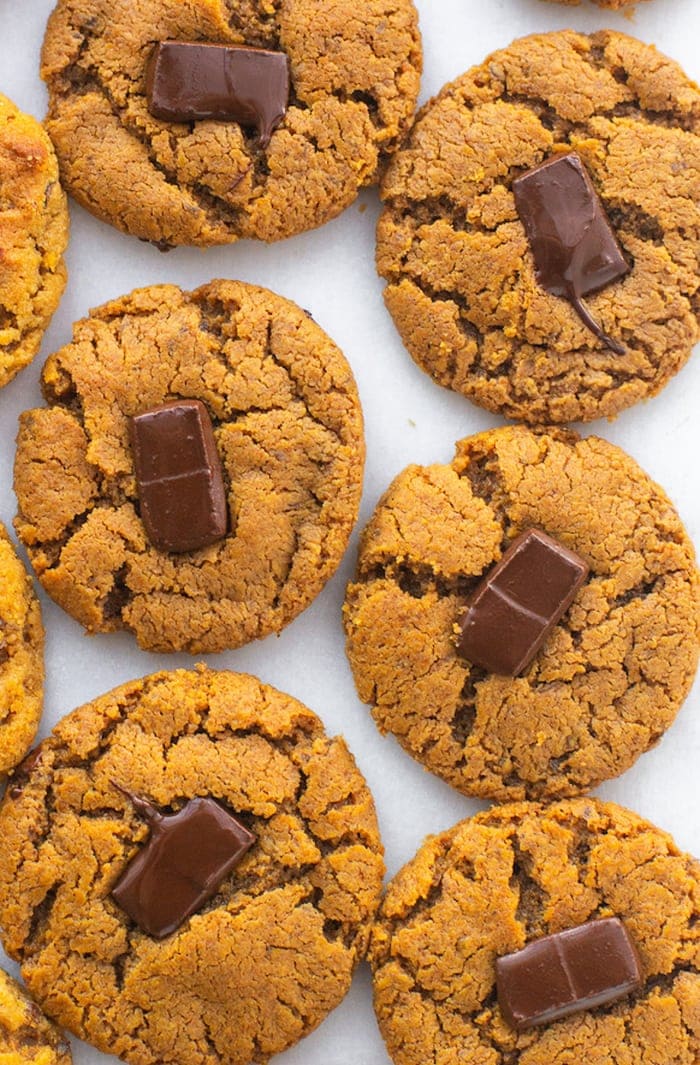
580,969
21,775
187,81
187,857
178,471
519,602
573,244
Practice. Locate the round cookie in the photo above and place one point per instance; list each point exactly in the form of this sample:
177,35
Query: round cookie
26,1037
461,282
21,658
612,674
354,84
261,963
33,238
513,874
288,427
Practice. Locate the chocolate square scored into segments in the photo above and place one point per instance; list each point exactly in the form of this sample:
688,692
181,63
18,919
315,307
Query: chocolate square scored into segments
180,484
585,967
519,602
187,81
188,856
573,244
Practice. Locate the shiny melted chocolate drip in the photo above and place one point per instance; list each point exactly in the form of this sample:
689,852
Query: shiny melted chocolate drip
573,244
187,857
187,81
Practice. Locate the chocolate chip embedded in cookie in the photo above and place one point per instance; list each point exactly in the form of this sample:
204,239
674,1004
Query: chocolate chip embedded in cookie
21,658
621,904
203,122
435,622
268,918
617,127
33,238
121,551
26,1036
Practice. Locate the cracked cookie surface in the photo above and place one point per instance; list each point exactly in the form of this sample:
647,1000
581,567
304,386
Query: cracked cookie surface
26,1036
460,275
612,674
288,427
355,76
21,657
260,964
33,238
487,887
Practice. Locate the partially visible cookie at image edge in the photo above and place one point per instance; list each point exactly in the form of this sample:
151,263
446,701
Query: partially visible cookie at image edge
27,1037
33,237
507,877
611,675
271,949
288,430
21,658
354,76
461,281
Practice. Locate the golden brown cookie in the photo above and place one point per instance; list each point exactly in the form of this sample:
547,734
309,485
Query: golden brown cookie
614,4
355,76
288,428
26,1037
612,674
262,962
461,282
21,658
33,238
511,875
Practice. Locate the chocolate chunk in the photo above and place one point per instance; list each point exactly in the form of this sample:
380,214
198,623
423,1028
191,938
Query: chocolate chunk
180,484
519,602
580,969
187,81
183,864
23,772
575,249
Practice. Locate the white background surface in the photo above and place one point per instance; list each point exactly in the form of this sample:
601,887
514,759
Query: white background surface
408,419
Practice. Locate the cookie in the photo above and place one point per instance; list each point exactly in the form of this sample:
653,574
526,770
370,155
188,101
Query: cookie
462,282
509,876
272,950
288,430
26,1036
21,658
611,674
354,84
33,238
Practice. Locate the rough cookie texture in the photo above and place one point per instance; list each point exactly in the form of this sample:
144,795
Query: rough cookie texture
272,953
33,238
603,3
513,874
610,677
355,76
288,427
461,277
26,1037
21,658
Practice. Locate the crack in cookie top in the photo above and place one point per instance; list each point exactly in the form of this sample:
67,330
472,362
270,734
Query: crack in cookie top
462,282
354,73
272,948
